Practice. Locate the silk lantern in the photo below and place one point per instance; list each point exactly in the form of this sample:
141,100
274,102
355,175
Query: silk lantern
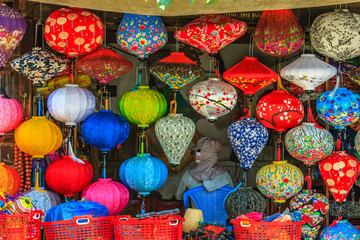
278,33
9,180
308,72
212,98
111,194
250,75
339,230
174,133
38,137
71,104
279,110
211,32
339,172
43,200
105,130
309,143
340,109
344,42
142,106
11,113
143,173
279,180
247,137
141,35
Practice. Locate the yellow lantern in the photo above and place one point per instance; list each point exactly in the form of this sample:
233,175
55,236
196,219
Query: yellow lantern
38,137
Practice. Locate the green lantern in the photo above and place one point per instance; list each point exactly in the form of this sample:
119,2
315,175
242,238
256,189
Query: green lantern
142,106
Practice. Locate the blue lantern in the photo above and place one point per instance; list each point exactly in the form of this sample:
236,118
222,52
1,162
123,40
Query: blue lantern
143,173
340,109
247,137
105,130
339,230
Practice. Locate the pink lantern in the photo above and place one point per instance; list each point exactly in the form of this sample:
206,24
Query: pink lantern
109,193
11,114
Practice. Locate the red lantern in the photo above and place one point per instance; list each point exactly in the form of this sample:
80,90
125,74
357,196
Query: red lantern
9,180
67,176
339,172
279,110
250,75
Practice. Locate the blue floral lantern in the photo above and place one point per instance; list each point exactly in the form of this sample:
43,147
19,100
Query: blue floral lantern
247,137
340,109
339,230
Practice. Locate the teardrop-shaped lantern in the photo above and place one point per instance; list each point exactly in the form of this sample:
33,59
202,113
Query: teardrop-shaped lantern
339,230
332,34
43,200
176,70
212,98
279,110
278,33
308,72
174,133
71,104
247,137
340,109
9,180
11,114
211,32
339,172
250,75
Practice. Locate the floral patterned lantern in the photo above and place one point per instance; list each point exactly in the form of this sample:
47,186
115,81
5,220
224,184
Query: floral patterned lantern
141,35
308,72
247,137
339,230
212,98
278,33
279,181
11,113
211,32
309,143
340,109
280,111
9,180
344,42
250,75
339,172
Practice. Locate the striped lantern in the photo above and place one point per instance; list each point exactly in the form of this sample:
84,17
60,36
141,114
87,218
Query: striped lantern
11,114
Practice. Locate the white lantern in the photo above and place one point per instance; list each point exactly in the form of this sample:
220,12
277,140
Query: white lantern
71,104
174,133
308,72
336,34
212,98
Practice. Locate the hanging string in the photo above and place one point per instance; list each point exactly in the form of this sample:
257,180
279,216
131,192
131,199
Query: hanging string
105,24
311,118
39,103
177,46
143,142
251,45
279,149
337,81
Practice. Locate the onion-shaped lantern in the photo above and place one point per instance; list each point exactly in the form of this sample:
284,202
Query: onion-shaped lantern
105,130
43,200
280,111
11,114
71,104
279,181
142,106
212,98
247,137
340,229
174,133
9,180
250,75
340,109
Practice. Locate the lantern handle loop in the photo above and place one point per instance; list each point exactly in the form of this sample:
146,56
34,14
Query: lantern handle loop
72,155
309,180
235,189
311,116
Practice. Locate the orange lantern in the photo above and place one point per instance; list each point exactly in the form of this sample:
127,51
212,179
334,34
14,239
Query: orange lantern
9,180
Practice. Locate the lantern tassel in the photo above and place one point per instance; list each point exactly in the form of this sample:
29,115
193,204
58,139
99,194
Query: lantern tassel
72,155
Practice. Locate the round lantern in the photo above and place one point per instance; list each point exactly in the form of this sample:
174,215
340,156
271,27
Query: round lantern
339,172
247,137
38,137
211,32
141,35
308,72
74,31
11,114
43,200
340,109
105,130
174,133
339,230
212,98
344,42
143,173
278,33
279,180
67,176
142,106
105,65
71,104
250,75
13,28
111,194
309,143
280,111
176,70
9,180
